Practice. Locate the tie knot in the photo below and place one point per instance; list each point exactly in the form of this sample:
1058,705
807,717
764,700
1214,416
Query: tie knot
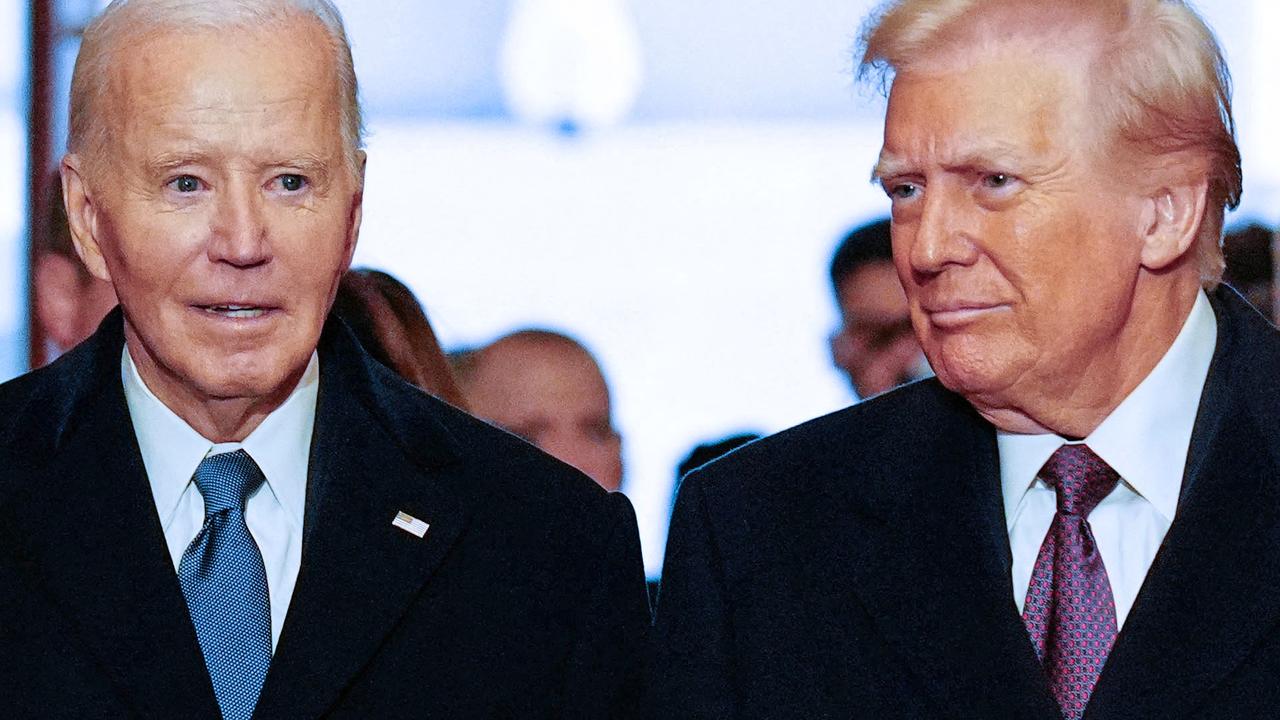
1079,478
226,480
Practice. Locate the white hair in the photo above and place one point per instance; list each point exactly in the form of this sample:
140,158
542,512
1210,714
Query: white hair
124,21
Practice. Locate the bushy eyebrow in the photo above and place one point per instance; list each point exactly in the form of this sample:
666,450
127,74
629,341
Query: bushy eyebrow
174,160
985,157
308,163
888,165
314,166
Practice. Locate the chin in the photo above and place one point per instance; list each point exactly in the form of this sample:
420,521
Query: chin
251,375
972,374
229,387
978,362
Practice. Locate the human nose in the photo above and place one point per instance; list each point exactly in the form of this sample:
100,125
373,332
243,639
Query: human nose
941,238
239,228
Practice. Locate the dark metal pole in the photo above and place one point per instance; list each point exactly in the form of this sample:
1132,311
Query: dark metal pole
39,153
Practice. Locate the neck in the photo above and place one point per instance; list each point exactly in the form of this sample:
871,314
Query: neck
1074,404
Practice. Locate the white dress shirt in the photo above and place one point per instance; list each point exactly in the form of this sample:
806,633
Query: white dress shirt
1145,439
281,445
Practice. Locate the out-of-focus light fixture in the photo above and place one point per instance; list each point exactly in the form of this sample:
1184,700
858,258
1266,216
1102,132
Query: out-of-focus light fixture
571,64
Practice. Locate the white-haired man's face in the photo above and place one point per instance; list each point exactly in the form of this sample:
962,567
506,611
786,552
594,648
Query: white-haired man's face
222,211
1015,238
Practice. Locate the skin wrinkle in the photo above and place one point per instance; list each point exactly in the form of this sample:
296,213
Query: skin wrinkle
1052,246
119,85
240,235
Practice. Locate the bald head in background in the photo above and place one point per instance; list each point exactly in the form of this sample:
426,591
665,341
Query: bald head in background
547,388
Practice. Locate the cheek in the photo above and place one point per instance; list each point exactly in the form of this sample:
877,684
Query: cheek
313,251
1043,254
147,257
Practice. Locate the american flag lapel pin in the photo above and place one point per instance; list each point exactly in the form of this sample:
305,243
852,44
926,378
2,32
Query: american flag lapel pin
410,524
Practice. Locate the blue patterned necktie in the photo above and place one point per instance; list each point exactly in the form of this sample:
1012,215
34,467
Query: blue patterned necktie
1070,612
225,583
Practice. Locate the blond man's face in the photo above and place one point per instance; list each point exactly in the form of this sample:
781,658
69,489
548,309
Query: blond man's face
1017,243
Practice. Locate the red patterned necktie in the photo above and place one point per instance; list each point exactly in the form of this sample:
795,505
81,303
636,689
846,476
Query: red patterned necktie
1070,612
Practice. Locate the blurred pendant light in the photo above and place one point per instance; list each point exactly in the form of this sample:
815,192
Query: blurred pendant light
570,64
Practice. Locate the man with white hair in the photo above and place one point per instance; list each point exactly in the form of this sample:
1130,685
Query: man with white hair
219,505
1080,517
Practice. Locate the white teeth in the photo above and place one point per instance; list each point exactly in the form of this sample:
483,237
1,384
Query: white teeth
236,311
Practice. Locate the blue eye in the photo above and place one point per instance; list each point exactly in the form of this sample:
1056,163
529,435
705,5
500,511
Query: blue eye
185,184
292,183
903,191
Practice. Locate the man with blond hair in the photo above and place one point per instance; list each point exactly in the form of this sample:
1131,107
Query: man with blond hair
1080,516
219,506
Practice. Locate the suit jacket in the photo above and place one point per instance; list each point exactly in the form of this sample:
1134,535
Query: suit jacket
525,598
858,567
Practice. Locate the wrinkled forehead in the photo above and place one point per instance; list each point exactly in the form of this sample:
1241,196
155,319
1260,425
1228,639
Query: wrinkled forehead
239,60
182,74
205,84
1008,107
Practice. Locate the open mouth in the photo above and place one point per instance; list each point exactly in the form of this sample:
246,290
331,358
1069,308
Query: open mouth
235,312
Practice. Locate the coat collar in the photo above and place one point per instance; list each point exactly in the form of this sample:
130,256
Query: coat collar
1210,593
378,450
84,530
83,525
928,551
929,559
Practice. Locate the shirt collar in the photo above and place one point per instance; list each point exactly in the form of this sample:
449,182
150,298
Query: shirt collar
171,449
1146,438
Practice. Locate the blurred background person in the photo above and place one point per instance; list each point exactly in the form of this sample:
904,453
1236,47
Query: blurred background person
547,388
69,301
874,346
713,450
392,326
1250,265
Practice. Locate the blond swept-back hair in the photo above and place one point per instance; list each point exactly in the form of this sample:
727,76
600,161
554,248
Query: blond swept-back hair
125,21
1157,76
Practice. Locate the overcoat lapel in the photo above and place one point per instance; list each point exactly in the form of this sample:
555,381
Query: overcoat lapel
87,531
375,452
934,570
1211,592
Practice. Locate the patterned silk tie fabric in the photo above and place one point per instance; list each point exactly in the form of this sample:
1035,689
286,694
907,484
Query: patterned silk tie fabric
1070,612
225,583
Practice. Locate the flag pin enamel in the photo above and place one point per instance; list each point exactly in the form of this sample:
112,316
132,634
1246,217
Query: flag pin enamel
410,524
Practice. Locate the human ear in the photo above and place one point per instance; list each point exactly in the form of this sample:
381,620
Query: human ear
357,208
1172,216
82,217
